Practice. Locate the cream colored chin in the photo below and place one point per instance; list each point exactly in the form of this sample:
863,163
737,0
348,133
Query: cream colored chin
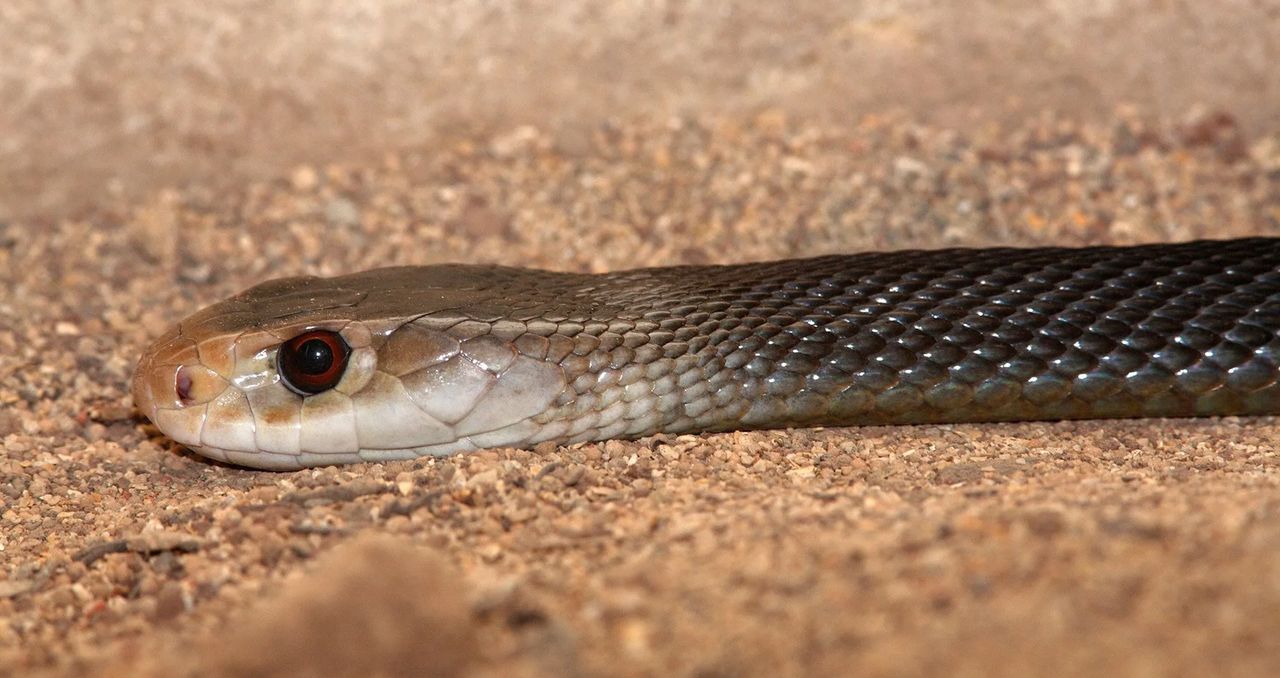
276,461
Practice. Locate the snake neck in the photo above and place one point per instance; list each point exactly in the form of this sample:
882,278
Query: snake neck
907,337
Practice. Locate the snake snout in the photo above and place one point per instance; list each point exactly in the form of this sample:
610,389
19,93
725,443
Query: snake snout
172,387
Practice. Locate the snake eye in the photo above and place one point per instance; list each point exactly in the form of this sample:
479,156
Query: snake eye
313,361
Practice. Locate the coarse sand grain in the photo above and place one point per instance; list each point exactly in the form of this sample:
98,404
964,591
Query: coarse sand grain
1143,547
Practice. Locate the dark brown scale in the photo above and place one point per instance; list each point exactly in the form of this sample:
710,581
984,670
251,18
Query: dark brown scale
900,337
969,335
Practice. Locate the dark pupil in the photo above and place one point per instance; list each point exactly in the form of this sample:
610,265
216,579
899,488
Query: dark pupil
314,357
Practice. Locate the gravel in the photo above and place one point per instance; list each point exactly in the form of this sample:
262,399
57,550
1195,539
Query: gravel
1132,547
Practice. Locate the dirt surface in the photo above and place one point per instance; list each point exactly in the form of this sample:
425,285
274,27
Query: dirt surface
100,100
1118,548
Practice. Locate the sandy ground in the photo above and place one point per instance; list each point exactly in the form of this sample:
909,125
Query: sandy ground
118,99
1125,548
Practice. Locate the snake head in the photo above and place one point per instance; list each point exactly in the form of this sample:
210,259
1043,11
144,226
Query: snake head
306,372
222,394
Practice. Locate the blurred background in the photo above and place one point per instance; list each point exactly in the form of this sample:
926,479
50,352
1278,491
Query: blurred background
108,101
158,156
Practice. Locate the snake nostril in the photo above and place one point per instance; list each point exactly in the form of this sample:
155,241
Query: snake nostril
182,385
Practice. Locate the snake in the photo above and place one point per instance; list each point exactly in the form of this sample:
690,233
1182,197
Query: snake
403,362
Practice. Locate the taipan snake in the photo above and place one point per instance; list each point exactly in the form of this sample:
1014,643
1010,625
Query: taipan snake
395,363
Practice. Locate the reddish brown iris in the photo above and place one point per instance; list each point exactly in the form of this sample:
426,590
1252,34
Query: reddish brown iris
313,361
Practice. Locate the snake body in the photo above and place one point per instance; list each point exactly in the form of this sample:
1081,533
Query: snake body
451,358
